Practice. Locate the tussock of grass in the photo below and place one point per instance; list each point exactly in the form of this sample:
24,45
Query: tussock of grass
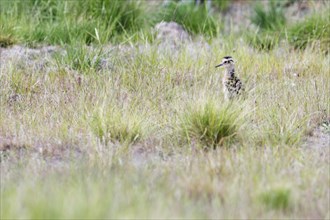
269,23
81,58
313,31
6,41
223,5
271,19
210,123
195,19
276,198
112,125
263,40
287,129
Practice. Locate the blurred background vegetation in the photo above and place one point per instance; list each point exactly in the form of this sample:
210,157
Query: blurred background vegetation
34,22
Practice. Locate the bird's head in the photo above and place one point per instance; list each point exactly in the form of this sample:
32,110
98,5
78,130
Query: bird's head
226,62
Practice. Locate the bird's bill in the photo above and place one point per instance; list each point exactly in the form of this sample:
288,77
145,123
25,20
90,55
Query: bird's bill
219,65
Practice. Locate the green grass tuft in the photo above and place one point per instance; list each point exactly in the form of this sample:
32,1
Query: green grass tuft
269,22
210,124
263,40
80,58
271,19
313,31
223,5
113,125
276,198
195,19
6,40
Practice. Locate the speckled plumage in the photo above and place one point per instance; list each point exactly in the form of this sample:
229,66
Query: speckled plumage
232,85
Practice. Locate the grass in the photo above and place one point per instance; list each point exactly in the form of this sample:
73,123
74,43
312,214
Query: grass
276,198
135,112
269,23
80,58
210,124
196,20
112,125
74,22
69,22
271,19
223,5
6,40
263,40
94,130
313,32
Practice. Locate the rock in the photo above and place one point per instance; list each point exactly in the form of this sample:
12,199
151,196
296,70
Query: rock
22,57
171,33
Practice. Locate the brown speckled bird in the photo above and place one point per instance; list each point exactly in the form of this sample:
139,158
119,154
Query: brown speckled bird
232,85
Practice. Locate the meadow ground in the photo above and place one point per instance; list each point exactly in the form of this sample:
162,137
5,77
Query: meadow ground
139,128
121,139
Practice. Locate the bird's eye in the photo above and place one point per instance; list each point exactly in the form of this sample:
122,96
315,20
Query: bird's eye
226,61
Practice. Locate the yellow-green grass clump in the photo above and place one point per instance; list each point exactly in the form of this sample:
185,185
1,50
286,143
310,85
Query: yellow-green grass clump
114,125
313,32
211,123
278,198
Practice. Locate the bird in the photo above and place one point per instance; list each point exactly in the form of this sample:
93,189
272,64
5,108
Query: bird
232,85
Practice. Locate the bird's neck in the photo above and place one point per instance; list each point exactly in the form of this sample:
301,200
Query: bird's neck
230,72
